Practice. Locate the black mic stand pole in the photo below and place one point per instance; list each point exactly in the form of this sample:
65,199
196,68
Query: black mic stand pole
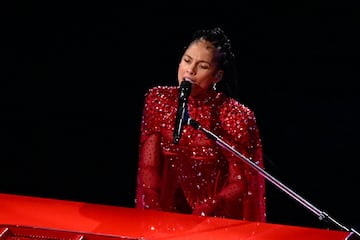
320,214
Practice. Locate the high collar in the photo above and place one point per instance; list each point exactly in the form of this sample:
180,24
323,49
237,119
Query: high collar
208,96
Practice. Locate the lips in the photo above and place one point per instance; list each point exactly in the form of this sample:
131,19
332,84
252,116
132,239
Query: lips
188,79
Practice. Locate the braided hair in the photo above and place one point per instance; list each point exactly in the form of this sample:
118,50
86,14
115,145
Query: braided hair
225,59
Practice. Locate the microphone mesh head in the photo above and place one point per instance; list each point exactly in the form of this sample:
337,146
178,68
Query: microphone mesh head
185,88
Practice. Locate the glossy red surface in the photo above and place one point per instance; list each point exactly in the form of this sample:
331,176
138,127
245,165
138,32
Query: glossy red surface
20,212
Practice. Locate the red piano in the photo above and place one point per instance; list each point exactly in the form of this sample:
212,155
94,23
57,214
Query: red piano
36,218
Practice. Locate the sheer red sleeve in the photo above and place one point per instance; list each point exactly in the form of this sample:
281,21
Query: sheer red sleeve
148,177
149,166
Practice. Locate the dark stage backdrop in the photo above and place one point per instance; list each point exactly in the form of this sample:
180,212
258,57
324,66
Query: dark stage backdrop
73,80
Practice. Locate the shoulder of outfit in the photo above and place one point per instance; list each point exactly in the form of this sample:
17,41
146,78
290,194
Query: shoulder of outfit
234,111
158,90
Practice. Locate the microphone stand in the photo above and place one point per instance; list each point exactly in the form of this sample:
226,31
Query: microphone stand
320,214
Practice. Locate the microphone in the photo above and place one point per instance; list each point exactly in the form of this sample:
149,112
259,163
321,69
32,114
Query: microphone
182,111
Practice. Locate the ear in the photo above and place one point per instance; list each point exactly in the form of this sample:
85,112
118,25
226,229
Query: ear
219,75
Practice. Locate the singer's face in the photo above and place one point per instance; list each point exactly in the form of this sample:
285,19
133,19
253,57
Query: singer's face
198,64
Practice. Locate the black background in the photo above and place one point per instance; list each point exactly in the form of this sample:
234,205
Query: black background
73,79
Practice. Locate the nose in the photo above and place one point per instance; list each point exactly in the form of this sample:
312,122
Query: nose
190,72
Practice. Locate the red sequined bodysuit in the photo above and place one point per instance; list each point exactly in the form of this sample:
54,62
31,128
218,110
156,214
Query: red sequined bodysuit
196,175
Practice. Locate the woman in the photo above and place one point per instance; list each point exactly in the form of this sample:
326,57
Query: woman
196,175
